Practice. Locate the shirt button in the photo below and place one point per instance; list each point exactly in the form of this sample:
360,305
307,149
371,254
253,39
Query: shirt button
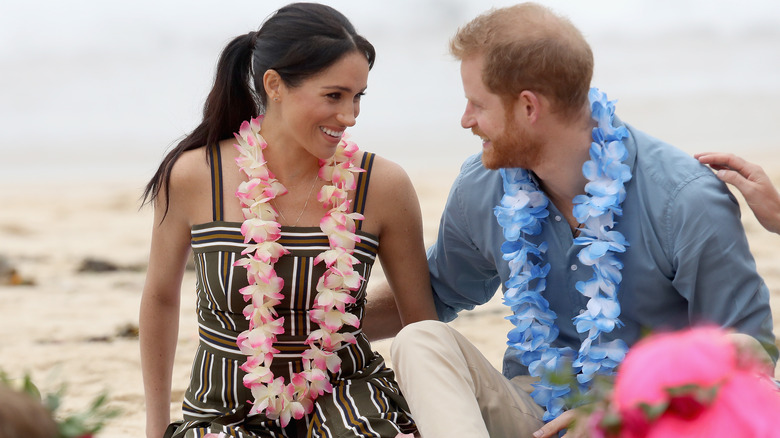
582,311
573,267
557,218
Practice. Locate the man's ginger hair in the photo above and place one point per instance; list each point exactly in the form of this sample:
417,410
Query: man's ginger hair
529,47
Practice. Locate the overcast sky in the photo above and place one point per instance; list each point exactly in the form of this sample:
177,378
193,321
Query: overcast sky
117,82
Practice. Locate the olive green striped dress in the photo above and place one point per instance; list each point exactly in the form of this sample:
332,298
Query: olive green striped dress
366,400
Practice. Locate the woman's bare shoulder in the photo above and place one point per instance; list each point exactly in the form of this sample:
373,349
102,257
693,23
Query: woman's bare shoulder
191,168
190,186
390,188
387,174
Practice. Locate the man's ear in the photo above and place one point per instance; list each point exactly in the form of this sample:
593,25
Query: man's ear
528,106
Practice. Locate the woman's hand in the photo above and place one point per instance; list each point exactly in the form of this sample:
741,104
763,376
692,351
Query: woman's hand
751,180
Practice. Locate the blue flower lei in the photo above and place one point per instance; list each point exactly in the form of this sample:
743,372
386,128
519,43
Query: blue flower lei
522,212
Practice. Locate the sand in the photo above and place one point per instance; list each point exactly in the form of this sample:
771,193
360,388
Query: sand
77,327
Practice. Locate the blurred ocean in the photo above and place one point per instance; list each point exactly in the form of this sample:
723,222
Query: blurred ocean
99,90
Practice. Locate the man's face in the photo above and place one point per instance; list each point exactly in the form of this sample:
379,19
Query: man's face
505,143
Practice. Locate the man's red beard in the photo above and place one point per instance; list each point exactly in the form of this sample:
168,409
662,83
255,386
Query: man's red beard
512,148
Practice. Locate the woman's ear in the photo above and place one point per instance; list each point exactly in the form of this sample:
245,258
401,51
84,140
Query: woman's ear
273,85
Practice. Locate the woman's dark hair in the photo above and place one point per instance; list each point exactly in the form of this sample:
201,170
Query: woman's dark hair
298,41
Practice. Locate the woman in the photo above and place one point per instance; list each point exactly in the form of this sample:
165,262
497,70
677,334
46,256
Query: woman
284,227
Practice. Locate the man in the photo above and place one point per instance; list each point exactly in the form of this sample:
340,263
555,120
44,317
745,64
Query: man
636,236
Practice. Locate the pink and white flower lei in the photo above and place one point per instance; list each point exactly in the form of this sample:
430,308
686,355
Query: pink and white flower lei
272,395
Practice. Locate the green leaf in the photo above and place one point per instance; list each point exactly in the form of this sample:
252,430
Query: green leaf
77,425
28,387
652,412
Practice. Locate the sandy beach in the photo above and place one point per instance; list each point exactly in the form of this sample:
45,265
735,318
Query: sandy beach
78,328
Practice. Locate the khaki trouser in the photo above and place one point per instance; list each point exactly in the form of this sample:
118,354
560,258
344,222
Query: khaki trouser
453,391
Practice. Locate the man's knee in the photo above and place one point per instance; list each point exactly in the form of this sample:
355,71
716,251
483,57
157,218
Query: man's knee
418,334
421,329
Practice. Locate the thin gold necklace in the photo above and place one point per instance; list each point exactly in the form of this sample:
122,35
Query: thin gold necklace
305,204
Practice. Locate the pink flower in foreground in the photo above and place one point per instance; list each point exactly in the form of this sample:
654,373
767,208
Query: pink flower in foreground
702,356
746,406
690,384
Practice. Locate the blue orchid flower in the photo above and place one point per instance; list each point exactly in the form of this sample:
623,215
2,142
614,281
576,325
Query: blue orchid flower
587,322
552,397
528,315
602,358
520,248
550,359
588,288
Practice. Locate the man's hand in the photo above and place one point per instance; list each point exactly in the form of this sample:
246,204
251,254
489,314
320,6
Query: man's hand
748,346
563,421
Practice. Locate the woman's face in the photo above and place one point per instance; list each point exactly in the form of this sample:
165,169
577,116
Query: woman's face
315,114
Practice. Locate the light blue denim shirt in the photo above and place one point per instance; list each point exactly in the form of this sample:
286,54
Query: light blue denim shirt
688,260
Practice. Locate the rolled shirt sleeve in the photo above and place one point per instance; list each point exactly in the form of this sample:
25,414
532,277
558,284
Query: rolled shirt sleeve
462,262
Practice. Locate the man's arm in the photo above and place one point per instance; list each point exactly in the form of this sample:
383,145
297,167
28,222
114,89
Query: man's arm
714,269
462,276
382,319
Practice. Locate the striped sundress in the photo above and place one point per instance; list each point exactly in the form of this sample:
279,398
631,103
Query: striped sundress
366,400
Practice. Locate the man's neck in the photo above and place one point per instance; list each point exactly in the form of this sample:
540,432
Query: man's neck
560,169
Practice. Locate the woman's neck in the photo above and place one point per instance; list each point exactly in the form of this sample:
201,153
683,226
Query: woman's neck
290,163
